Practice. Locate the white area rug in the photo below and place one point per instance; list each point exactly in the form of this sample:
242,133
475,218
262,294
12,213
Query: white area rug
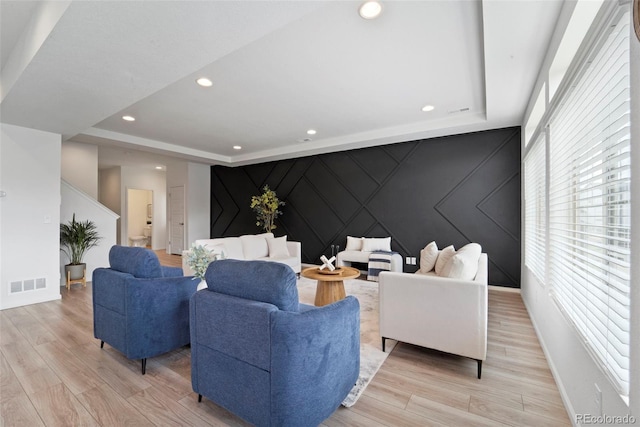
371,354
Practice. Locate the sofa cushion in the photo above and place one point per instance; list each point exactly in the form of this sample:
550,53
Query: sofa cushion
278,247
443,257
270,282
370,244
353,244
139,262
254,246
233,246
464,264
354,256
428,257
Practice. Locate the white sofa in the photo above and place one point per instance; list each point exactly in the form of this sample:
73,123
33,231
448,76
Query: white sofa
436,312
264,247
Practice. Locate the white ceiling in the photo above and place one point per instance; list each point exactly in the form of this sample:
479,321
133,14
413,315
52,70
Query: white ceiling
278,69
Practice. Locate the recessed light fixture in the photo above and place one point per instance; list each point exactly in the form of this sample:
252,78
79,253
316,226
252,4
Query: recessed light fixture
204,82
370,9
428,108
237,147
159,168
129,118
311,132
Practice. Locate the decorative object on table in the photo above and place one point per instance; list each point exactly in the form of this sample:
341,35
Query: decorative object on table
199,258
266,208
76,238
327,263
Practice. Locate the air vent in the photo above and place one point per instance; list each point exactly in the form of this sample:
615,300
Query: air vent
461,110
27,285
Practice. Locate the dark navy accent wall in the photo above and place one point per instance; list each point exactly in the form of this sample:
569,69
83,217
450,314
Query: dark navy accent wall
454,190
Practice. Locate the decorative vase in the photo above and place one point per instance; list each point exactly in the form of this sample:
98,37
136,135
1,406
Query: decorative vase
202,285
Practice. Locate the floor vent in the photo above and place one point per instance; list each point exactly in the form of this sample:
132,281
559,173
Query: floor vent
27,285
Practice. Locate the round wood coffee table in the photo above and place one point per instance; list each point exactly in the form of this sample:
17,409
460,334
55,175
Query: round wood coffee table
330,287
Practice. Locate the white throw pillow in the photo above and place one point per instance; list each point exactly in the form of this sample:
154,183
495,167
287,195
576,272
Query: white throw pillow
254,247
443,257
428,257
370,244
278,247
233,247
464,264
353,244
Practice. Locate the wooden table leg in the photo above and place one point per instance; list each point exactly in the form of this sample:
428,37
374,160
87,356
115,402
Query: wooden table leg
329,292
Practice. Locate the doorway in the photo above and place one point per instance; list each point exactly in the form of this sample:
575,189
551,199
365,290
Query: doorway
139,217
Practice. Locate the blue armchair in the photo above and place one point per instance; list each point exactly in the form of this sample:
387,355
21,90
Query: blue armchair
140,307
263,356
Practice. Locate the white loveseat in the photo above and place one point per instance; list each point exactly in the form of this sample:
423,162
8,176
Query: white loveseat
358,249
436,312
264,247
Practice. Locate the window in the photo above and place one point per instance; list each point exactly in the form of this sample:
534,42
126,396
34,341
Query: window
535,206
589,203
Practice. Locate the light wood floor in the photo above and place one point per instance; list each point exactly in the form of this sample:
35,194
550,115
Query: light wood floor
53,373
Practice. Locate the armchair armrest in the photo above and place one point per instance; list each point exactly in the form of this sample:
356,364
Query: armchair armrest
319,348
171,271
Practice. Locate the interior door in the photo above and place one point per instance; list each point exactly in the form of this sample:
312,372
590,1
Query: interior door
176,219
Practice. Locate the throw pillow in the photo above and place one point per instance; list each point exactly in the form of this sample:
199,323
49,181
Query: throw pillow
254,247
354,244
428,257
278,247
376,244
443,257
464,264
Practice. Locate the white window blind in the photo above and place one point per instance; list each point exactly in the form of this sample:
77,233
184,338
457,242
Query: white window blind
589,203
535,223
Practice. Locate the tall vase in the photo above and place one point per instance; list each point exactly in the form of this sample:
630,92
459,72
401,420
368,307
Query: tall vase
202,285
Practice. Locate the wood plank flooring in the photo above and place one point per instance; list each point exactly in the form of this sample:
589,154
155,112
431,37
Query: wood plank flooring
53,373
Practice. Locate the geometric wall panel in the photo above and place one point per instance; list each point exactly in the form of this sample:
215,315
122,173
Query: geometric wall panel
454,190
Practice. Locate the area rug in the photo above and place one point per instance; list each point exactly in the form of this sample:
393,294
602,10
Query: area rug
371,354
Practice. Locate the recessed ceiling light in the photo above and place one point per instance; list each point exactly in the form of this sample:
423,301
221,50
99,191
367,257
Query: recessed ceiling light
159,167
204,82
311,132
370,9
129,118
237,147
428,108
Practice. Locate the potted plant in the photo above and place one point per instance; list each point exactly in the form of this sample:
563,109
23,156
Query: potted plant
199,258
266,208
76,238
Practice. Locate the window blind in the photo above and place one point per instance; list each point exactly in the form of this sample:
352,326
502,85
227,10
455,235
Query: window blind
535,205
589,203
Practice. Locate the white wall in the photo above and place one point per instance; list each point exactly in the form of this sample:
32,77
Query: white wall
109,193
196,179
146,179
29,214
80,166
87,208
575,371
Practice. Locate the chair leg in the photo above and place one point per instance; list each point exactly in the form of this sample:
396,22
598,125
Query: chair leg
383,343
101,344
199,398
144,366
479,368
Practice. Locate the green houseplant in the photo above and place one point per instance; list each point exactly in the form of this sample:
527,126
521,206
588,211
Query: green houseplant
76,238
266,208
199,258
